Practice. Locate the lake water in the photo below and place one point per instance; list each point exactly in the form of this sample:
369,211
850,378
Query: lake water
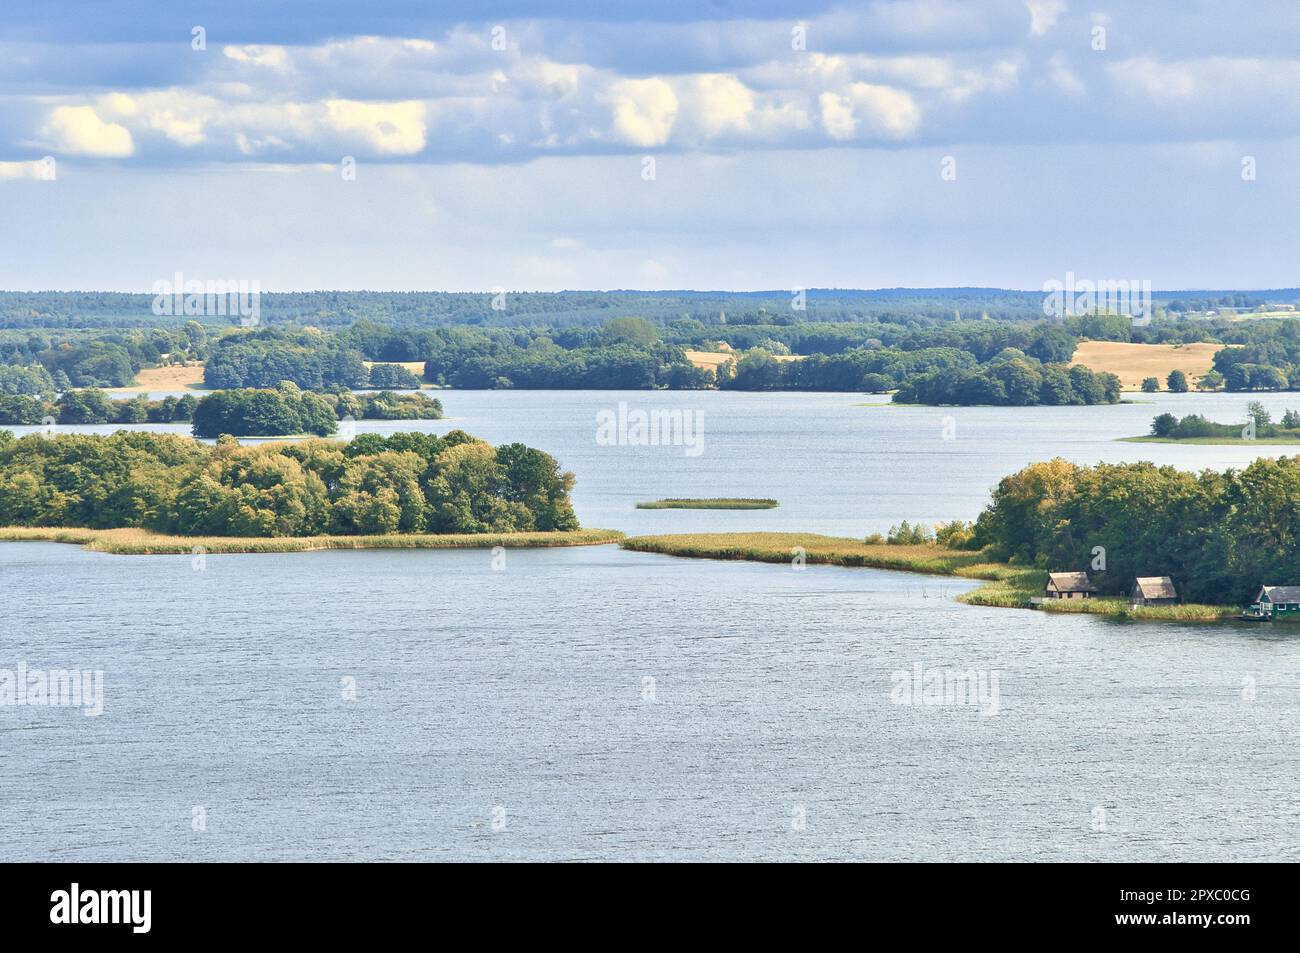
597,704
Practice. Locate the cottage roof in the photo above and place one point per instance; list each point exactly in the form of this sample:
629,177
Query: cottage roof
1156,587
1071,582
1282,593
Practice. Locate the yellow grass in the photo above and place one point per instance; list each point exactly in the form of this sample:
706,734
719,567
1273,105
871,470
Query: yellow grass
1005,586
712,360
1131,363
835,550
172,377
415,367
139,542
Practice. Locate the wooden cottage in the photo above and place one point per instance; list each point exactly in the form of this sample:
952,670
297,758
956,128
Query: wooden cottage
1154,591
1068,585
1277,601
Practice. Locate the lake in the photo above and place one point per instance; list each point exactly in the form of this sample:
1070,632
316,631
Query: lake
584,704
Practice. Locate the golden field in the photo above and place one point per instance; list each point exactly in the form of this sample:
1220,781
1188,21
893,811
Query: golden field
1133,362
171,377
415,367
714,359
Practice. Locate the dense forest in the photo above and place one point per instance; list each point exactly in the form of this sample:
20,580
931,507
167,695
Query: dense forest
1219,535
1011,380
940,346
273,412
406,483
286,410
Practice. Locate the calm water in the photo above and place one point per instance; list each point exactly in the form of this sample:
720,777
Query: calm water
597,704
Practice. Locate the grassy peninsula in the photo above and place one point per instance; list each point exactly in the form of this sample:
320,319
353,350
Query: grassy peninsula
710,503
1005,585
1258,427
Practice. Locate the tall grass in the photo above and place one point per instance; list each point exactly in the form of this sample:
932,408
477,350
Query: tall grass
1006,586
833,550
139,542
709,503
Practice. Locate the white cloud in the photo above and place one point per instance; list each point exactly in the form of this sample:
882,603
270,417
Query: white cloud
726,103
39,169
1064,78
883,111
1043,14
387,128
644,111
78,130
269,57
837,116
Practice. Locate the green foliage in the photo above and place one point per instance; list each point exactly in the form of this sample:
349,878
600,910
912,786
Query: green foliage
31,381
392,377
1196,427
904,534
955,534
408,483
1016,381
1150,385
280,412
1219,535
1176,382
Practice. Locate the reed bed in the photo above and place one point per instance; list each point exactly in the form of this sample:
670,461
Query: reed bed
710,503
832,550
1005,586
139,542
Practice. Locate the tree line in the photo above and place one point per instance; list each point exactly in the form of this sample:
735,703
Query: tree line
281,411
1220,535
405,483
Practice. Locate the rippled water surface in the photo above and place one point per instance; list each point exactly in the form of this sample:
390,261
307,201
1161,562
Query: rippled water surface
598,704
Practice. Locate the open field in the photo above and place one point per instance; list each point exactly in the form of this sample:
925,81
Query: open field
415,367
714,503
1006,586
171,377
1133,362
139,542
714,359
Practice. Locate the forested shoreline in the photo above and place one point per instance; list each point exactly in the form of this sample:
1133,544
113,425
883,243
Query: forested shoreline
1219,535
281,411
406,483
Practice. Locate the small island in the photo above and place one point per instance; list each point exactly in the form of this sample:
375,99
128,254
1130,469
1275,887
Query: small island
710,503
1258,427
282,411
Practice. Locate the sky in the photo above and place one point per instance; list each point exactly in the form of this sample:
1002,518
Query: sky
468,146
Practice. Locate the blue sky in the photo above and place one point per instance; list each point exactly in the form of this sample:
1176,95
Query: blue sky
878,144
